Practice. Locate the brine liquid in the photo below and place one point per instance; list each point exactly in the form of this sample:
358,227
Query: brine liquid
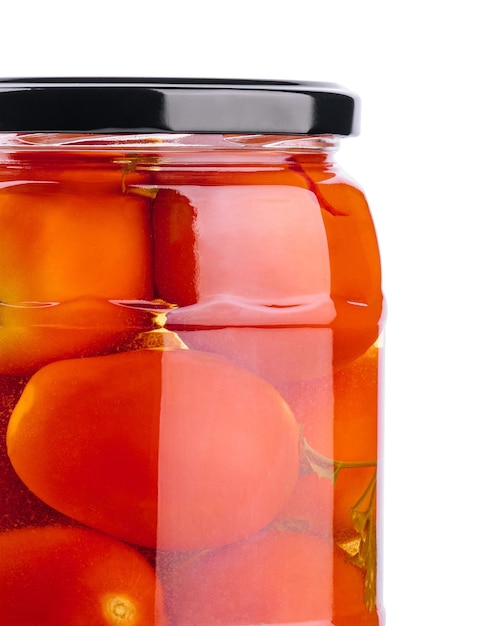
189,385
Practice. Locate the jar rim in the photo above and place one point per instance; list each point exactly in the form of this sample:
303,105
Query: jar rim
177,105
165,142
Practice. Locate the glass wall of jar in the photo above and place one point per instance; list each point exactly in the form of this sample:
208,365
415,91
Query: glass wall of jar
190,336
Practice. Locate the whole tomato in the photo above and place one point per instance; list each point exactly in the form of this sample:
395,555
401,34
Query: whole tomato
275,577
282,254
261,247
56,575
173,449
66,253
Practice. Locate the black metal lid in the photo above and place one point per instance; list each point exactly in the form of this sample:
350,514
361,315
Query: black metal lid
150,105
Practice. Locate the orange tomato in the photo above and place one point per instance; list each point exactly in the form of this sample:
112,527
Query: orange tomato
355,270
355,434
276,577
64,576
32,336
18,505
175,449
76,249
356,400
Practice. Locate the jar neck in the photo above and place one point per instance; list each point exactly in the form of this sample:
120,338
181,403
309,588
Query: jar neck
154,141
62,150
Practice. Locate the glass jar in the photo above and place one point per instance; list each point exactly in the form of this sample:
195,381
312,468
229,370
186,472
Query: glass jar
191,319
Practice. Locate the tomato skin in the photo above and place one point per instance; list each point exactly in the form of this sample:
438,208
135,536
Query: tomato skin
19,507
275,577
355,275
56,575
176,449
76,250
262,245
58,245
339,415
355,278
356,394
294,254
33,336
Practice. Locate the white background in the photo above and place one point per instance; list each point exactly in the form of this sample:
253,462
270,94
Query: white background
416,65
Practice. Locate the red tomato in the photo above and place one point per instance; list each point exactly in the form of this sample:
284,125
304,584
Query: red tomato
64,576
355,277
355,434
62,245
18,505
261,247
339,415
299,253
175,449
355,281
319,507
356,399
273,578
